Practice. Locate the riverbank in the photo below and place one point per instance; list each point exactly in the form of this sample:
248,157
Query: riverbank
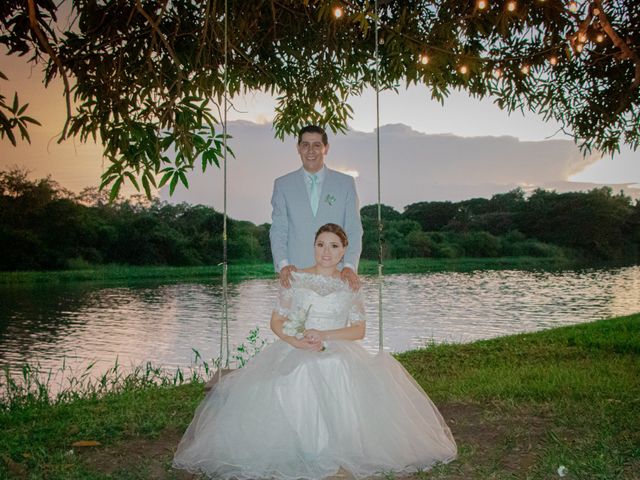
242,271
520,406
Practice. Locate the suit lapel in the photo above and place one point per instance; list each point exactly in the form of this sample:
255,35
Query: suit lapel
326,187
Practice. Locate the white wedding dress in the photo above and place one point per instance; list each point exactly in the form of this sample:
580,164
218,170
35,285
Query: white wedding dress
292,413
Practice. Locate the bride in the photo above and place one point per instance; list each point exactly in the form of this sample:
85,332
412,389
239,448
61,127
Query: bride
316,401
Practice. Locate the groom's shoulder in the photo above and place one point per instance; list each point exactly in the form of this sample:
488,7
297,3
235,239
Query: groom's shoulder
340,177
287,176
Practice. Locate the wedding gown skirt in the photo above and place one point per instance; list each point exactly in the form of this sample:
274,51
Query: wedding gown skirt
293,413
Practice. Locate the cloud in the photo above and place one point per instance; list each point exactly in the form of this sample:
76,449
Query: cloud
414,167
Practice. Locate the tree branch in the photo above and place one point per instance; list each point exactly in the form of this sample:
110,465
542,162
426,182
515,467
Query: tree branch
626,53
33,22
165,42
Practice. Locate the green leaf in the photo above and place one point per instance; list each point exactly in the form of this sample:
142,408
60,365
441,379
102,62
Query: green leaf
133,180
146,186
115,189
183,179
165,178
22,109
174,182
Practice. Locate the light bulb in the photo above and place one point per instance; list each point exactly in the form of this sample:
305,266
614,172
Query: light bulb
497,72
482,4
600,38
463,69
423,59
553,60
338,12
525,69
511,6
573,7
582,37
596,11
579,47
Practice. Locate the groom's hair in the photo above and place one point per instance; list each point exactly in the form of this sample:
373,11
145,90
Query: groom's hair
335,229
313,129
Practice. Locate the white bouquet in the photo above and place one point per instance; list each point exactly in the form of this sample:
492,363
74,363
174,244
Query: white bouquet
295,324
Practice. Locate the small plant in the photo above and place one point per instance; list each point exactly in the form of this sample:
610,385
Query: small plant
245,352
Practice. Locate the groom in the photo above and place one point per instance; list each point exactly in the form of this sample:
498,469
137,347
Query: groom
306,199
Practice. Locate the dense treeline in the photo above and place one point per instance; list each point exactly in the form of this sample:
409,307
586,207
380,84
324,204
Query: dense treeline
594,225
43,226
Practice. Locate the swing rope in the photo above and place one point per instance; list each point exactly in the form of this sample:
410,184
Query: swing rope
377,78
224,328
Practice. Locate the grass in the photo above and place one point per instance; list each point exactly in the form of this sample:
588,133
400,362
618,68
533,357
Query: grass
241,271
519,406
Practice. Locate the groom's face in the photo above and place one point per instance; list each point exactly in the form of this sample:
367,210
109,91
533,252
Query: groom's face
312,151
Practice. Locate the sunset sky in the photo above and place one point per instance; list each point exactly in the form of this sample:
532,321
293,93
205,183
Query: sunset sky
465,148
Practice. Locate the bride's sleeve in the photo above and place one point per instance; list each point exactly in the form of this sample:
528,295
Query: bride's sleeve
357,313
284,301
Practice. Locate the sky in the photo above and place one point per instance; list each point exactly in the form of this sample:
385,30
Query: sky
464,148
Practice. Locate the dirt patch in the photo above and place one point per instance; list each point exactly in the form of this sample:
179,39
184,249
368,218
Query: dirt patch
152,455
493,439
490,439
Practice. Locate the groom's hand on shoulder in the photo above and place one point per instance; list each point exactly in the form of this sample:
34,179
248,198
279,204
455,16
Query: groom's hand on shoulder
285,275
351,277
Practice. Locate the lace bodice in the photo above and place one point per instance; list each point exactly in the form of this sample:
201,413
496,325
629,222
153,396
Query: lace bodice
330,302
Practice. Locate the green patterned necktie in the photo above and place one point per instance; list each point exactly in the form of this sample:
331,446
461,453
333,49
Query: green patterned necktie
315,194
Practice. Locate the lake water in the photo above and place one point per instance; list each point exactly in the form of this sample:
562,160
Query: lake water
161,323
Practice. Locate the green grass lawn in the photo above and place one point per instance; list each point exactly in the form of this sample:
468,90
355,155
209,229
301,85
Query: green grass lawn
519,406
241,271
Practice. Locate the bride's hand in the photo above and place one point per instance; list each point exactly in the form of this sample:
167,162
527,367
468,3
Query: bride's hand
307,344
314,335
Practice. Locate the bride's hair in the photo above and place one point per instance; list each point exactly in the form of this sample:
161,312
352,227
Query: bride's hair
335,229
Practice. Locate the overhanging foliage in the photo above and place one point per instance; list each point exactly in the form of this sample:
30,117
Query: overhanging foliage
146,77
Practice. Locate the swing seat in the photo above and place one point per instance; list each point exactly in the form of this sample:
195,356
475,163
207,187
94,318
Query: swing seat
216,377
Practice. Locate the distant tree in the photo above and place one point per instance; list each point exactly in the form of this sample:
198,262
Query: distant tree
511,201
432,216
419,244
593,222
387,213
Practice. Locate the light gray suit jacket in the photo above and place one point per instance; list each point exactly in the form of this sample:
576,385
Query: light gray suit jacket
293,225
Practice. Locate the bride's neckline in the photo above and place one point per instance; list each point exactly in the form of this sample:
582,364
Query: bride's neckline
323,285
328,277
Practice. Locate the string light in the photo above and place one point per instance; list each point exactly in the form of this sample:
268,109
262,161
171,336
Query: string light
580,39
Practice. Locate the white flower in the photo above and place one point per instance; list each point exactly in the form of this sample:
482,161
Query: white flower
562,471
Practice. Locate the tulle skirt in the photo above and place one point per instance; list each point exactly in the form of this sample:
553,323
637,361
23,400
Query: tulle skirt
292,413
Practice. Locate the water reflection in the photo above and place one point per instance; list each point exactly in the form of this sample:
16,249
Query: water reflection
162,323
